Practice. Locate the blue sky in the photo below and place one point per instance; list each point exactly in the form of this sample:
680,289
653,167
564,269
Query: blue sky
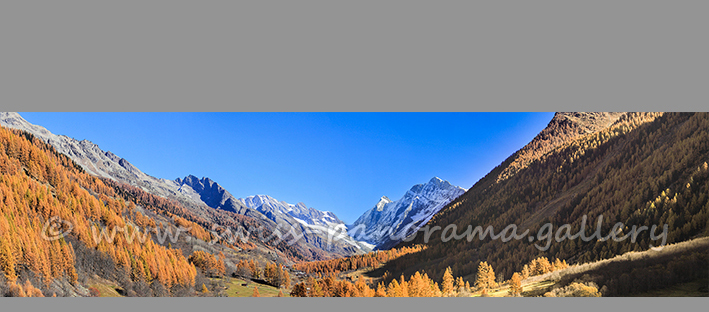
341,162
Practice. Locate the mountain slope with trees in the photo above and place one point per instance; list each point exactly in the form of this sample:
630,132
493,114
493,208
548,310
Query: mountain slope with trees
645,169
38,184
199,196
63,229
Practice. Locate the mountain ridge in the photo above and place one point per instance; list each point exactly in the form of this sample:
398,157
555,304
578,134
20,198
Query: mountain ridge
563,128
299,218
108,165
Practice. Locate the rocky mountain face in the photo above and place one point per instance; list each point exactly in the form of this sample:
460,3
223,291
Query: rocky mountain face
389,222
212,194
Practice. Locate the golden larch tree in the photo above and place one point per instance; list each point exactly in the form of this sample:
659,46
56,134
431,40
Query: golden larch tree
515,285
447,286
485,277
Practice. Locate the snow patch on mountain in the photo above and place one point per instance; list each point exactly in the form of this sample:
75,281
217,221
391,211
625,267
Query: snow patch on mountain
315,221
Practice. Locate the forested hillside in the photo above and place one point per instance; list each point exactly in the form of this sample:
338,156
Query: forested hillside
199,201
641,169
646,169
37,184
44,194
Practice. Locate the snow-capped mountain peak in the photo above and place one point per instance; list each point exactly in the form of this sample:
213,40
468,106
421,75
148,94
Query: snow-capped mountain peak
382,202
391,221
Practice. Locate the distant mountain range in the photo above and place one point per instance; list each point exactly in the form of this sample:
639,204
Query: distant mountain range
322,230
378,227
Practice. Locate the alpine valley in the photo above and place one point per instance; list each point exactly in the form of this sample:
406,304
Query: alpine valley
79,221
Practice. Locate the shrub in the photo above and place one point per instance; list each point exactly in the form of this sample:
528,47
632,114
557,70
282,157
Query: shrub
94,292
589,289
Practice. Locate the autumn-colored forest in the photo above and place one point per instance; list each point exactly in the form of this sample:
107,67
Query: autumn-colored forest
417,285
37,184
368,260
647,169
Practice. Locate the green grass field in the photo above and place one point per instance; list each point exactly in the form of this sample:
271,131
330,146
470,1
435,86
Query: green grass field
234,289
106,290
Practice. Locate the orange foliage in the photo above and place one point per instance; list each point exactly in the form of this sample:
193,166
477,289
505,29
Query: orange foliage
372,260
208,263
418,285
38,185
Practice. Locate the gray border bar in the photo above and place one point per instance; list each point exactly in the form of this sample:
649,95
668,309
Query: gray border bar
362,55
